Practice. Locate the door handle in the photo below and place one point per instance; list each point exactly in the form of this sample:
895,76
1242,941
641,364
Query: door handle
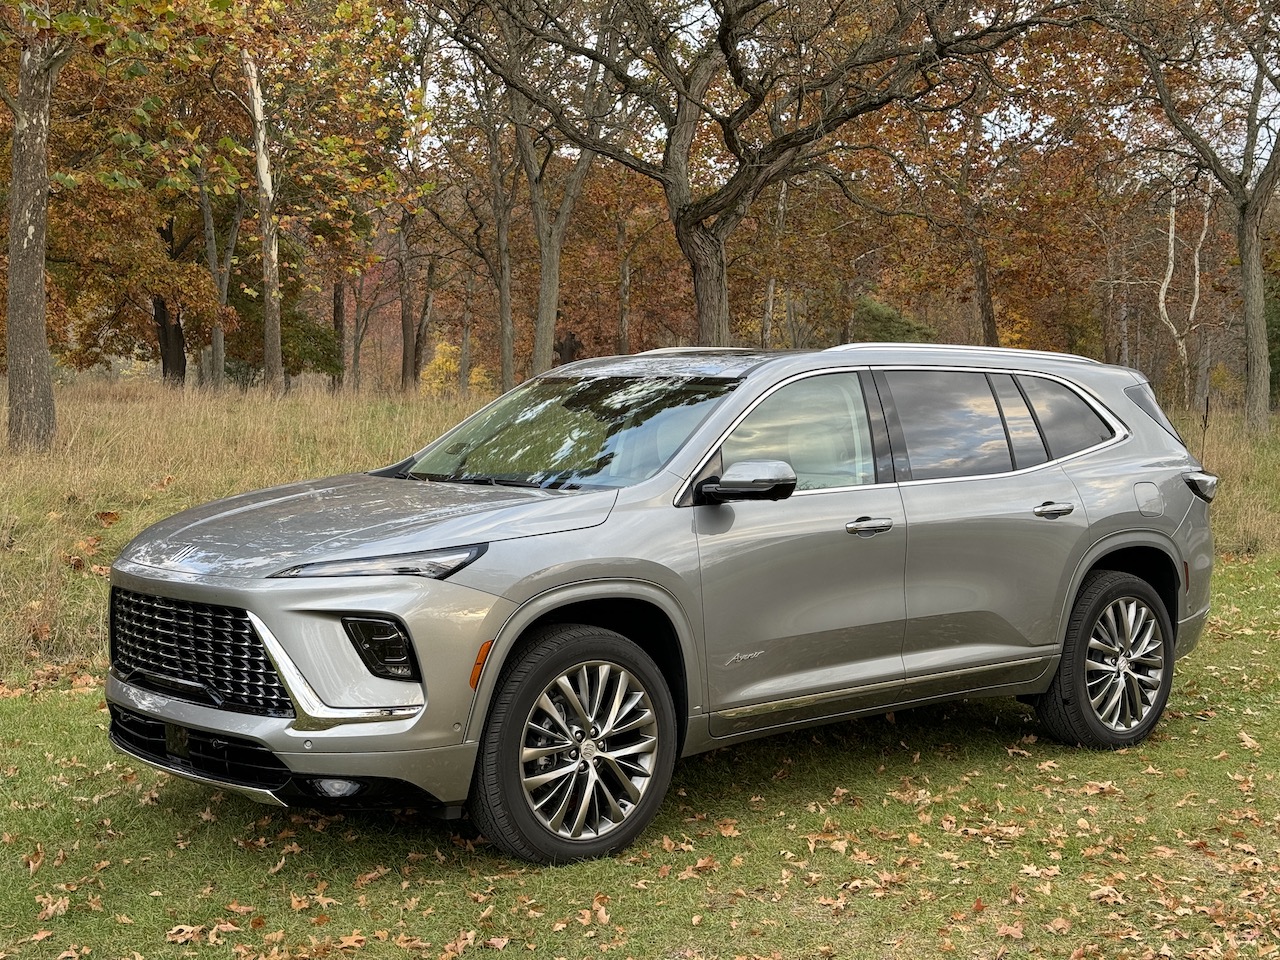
1053,510
869,526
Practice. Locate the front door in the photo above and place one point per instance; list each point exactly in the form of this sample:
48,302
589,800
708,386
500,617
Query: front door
803,599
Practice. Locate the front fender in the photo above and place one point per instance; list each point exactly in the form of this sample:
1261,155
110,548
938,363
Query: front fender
539,606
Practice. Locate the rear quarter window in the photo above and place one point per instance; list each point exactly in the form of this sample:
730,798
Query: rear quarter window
1142,395
1067,421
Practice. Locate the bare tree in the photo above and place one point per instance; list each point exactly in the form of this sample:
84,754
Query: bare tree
1214,70
475,203
721,100
1180,334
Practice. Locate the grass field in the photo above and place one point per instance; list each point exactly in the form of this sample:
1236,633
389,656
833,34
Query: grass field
944,831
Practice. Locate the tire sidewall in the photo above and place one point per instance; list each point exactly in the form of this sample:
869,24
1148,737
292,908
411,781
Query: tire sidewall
504,737
1123,587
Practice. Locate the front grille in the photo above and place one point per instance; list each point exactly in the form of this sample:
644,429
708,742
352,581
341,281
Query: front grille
213,755
200,652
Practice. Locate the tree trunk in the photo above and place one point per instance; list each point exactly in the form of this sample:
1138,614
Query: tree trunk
550,248
1162,298
173,344
982,291
339,331
464,350
704,250
506,326
1257,385
272,355
424,321
32,418
766,322
771,287
792,324
408,322
219,270
363,311
624,292
1124,329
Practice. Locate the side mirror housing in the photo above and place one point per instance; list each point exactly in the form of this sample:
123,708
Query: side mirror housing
750,480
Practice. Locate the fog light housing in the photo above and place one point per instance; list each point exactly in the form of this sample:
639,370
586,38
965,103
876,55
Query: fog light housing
384,646
335,788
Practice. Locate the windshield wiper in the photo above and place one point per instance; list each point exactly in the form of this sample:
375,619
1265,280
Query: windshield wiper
478,479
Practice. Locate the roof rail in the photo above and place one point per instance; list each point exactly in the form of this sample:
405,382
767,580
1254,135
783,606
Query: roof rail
660,350
964,348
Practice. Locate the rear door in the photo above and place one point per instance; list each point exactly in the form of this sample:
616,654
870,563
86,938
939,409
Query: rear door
996,528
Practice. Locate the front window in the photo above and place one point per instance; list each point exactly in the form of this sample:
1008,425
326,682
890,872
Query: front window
818,425
568,433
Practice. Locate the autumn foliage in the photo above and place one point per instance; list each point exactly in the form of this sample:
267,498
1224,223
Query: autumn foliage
425,192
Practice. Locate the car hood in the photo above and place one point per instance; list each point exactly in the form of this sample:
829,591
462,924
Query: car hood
261,533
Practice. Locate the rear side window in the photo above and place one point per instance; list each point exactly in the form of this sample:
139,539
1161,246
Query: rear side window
950,422
1068,423
1024,436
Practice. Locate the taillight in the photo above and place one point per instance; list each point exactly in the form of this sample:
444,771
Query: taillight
1203,485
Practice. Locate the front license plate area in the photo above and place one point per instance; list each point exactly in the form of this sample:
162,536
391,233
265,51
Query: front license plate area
177,741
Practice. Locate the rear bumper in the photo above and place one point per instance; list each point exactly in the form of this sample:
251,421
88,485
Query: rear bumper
1189,631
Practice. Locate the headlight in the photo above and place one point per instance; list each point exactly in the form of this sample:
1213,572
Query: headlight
435,564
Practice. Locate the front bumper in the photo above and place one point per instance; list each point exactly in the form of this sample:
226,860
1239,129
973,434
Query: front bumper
389,741
240,753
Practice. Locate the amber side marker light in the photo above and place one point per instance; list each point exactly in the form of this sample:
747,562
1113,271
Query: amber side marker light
481,657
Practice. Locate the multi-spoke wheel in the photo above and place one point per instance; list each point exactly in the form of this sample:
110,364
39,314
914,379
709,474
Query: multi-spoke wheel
1117,665
578,749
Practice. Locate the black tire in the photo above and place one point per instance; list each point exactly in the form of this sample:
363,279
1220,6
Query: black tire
1117,665
578,748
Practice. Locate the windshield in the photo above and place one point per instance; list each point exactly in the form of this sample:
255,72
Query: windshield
565,433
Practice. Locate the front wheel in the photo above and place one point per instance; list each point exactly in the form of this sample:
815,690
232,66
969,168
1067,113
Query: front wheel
1117,665
578,749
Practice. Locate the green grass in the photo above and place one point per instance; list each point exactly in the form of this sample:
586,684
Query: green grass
937,830
952,830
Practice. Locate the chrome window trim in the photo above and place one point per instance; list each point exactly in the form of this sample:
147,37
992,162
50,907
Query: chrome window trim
1120,429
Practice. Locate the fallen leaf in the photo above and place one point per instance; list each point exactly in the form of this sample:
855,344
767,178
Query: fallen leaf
183,933
352,941
52,906
34,860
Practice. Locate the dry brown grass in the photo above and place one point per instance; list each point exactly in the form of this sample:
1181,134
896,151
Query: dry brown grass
142,451
1246,511
130,453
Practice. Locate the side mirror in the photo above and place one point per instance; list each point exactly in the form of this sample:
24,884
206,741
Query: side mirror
750,480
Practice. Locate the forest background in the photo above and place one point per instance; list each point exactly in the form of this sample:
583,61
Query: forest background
401,193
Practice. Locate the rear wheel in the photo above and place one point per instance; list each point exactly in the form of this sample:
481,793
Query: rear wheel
578,749
1117,665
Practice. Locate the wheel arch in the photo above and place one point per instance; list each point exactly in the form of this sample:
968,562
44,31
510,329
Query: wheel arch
1152,560
641,611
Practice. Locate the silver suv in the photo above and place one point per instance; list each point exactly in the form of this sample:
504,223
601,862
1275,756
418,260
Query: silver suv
628,560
